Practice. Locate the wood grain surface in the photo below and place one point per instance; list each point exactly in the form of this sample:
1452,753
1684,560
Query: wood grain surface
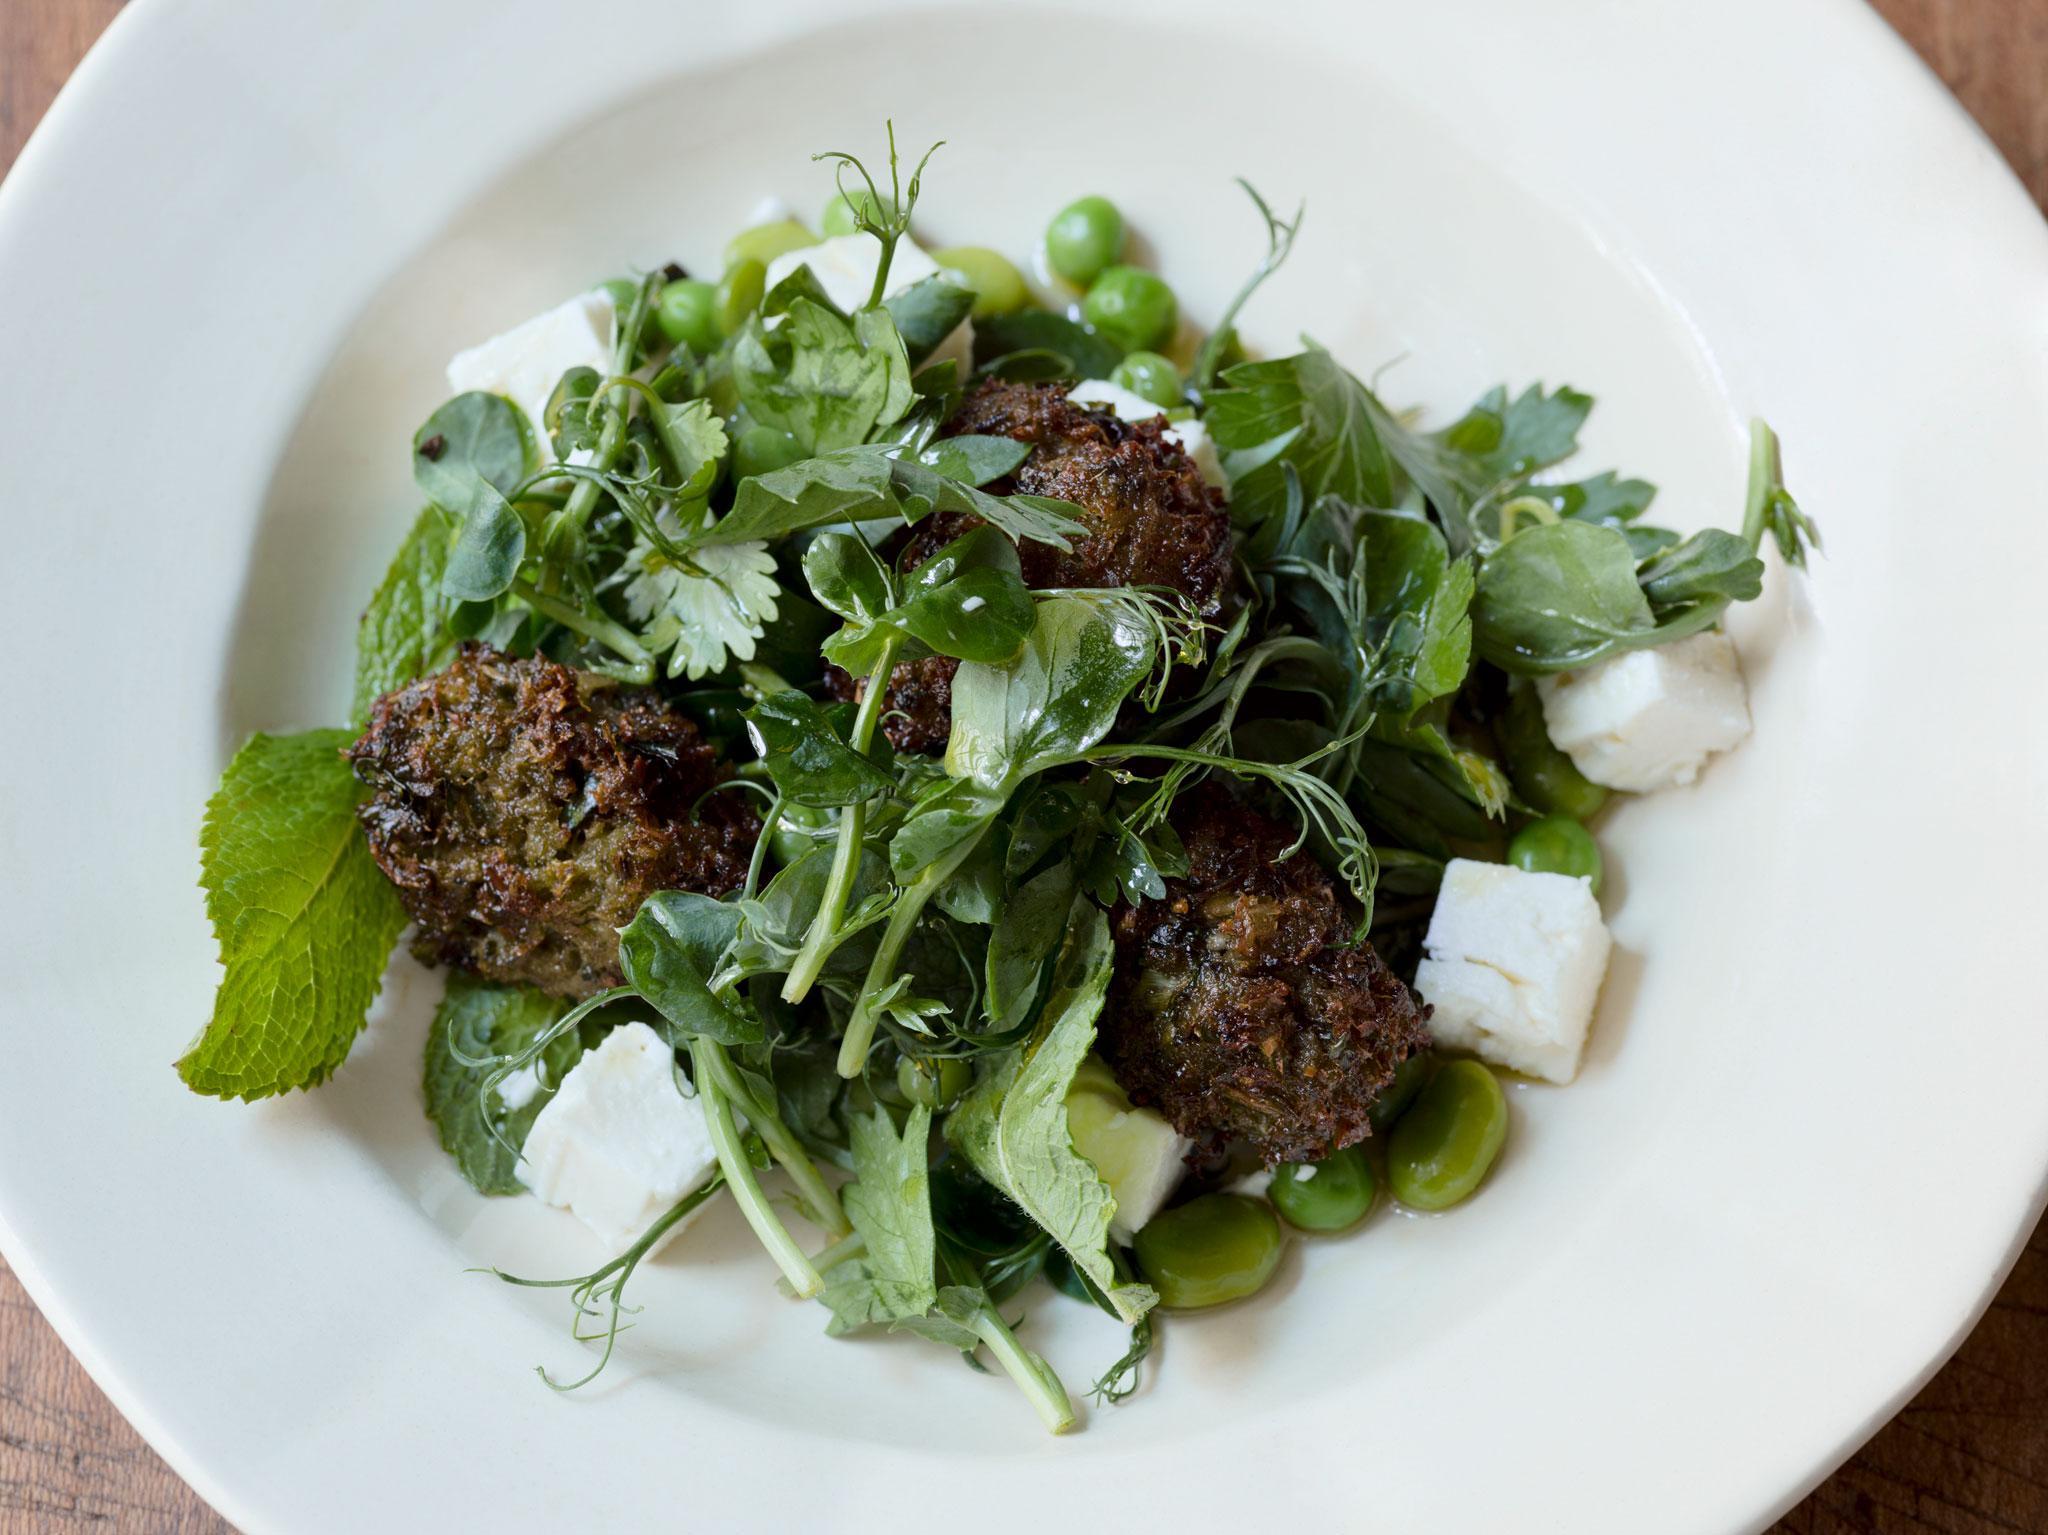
1969,1456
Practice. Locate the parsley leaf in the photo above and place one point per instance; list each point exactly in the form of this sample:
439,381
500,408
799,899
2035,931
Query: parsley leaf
402,635
304,918
826,380
1307,412
1012,1126
475,1023
890,1206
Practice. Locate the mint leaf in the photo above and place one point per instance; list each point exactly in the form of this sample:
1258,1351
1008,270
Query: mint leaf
479,1021
1012,1126
304,918
402,635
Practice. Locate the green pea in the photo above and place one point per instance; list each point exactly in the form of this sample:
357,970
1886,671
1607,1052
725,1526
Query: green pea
739,293
1133,308
933,1083
1542,774
1556,844
1217,1248
998,286
687,312
839,216
764,242
1150,377
1334,1194
797,831
1394,1099
1444,1145
762,449
1084,237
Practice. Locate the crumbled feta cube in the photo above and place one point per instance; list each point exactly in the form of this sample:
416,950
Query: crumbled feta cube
1139,1155
1127,405
526,363
770,210
619,1144
1649,718
1513,967
845,268
1256,1183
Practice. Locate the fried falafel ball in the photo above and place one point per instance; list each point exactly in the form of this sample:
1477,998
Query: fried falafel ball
524,811
1152,521
1238,1010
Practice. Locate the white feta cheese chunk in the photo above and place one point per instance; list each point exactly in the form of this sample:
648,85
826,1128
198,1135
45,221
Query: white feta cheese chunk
618,1144
1513,966
526,363
519,1087
1648,719
1257,1183
1127,405
1139,1155
770,210
845,268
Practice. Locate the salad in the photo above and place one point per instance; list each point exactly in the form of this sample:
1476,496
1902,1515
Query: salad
994,781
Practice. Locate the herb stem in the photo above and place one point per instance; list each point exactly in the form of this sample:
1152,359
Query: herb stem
713,1065
852,1245
1034,1377
1763,478
821,1203
910,905
592,626
853,830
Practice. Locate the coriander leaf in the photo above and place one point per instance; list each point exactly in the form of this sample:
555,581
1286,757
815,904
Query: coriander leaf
825,380
696,444
475,1022
975,460
669,952
1012,1125
1303,412
403,632
707,617
1558,596
1059,697
809,760
926,313
1075,351
304,918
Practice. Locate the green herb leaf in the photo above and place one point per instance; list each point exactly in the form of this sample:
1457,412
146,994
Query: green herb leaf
1308,413
1012,1126
1055,700
403,633
708,617
1555,597
1711,566
890,1205
809,760
475,442
975,460
926,313
669,952
1024,942
849,485
304,918
825,380
1074,351
477,1021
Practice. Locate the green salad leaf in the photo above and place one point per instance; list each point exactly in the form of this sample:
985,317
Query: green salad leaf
890,1206
304,917
825,379
1308,414
926,313
403,633
1037,344
1012,1126
476,1024
670,950
807,757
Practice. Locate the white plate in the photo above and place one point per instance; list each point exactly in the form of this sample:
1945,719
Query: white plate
231,264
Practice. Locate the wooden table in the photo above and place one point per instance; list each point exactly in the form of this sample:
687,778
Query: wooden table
1969,1456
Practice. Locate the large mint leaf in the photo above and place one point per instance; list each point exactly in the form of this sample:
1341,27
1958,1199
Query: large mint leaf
304,919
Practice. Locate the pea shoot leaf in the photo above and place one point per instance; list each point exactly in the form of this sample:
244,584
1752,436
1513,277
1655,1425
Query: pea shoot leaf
1068,349
669,952
926,313
304,918
808,759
